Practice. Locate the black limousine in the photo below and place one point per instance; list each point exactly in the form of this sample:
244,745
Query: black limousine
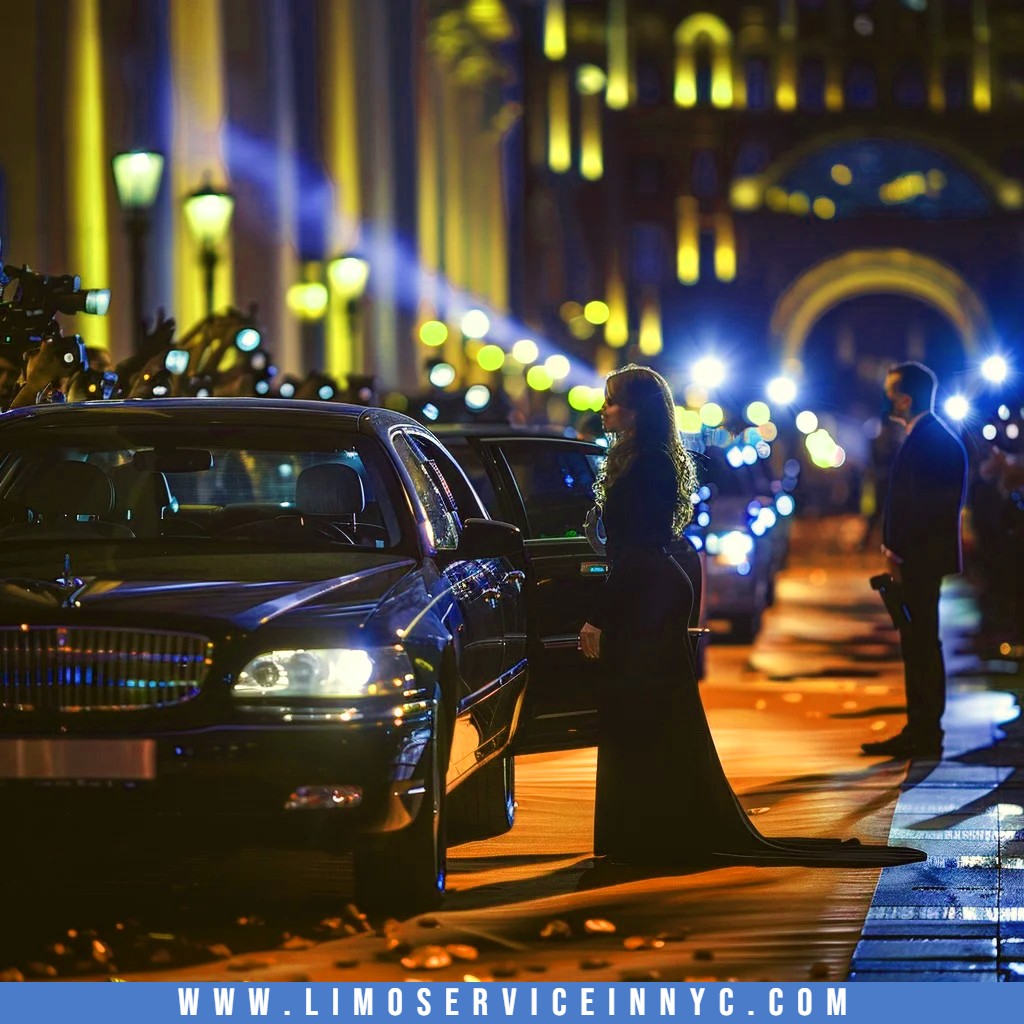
281,620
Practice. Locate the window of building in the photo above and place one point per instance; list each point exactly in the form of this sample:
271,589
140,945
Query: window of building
648,253
650,85
752,158
648,176
702,61
811,90
861,86
757,79
955,81
908,88
1011,71
705,174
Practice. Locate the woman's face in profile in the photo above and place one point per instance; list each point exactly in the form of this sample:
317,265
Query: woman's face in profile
616,418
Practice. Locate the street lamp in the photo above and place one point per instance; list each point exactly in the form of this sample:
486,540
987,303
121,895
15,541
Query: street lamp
137,178
348,276
208,214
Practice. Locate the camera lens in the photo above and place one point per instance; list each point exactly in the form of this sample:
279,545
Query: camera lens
247,339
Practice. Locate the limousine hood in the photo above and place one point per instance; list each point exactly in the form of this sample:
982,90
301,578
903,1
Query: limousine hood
351,582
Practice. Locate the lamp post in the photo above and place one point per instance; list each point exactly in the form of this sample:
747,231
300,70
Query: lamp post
348,276
208,214
137,177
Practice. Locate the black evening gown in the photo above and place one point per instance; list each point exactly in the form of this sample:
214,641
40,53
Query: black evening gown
662,797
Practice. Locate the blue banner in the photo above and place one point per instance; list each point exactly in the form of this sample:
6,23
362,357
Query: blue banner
163,1003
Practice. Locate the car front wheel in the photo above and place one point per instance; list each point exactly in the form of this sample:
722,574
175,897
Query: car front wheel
405,873
484,805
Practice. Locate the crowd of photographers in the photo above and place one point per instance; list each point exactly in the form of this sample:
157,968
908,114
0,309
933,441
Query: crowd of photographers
997,534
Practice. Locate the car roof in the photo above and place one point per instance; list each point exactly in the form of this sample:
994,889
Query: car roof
485,430
227,411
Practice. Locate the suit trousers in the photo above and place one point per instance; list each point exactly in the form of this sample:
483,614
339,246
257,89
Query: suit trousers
924,671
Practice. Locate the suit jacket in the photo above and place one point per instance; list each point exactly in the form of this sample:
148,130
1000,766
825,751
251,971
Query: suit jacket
927,487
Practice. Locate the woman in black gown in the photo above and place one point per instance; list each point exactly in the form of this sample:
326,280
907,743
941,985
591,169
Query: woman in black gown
662,797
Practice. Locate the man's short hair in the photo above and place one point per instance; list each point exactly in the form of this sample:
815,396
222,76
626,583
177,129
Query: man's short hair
918,381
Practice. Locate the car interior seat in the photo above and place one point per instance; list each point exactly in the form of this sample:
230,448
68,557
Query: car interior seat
142,499
68,500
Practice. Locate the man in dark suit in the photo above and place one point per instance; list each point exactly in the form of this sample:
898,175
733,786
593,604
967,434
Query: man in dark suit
921,539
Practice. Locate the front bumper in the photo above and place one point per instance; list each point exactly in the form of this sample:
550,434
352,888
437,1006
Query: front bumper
237,782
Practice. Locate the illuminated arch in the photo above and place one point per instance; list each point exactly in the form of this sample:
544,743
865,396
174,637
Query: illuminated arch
748,192
878,271
695,31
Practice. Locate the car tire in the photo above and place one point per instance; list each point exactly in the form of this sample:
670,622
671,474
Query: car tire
484,805
404,873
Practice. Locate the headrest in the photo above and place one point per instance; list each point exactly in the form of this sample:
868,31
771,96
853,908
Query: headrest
330,489
134,487
69,488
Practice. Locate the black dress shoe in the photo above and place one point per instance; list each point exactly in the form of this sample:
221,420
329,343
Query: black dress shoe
902,745
899,745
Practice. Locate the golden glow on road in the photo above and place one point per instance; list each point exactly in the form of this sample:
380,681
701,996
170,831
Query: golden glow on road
87,161
687,240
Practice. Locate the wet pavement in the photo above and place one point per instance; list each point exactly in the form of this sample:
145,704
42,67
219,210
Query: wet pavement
788,716
959,916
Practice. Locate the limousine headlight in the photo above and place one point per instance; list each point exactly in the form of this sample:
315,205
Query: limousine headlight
330,672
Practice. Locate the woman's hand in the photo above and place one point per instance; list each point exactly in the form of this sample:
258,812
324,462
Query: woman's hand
590,641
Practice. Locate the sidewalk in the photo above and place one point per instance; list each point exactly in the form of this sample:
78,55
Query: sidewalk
959,916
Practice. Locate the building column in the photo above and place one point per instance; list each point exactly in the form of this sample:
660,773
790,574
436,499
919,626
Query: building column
87,168
197,146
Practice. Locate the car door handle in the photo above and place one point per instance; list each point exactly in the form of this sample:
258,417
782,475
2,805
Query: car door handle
516,576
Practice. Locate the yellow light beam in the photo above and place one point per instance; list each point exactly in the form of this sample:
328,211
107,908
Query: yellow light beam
687,240
197,55
650,323
725,247
620,91
591,146
87,167
559,130
554,30
616,328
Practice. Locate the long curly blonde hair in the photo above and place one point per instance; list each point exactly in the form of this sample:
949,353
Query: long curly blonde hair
648,395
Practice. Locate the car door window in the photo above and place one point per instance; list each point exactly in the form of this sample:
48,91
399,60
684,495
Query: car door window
442,514
556,483
468,457
452,479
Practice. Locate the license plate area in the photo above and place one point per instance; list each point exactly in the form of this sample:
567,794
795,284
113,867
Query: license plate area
113,759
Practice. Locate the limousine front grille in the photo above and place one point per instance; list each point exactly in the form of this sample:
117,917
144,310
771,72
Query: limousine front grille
73,668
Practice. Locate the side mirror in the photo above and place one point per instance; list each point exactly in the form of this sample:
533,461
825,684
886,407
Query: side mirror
489,538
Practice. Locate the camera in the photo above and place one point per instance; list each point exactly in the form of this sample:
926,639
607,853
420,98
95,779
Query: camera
70,350
28,318
176,360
